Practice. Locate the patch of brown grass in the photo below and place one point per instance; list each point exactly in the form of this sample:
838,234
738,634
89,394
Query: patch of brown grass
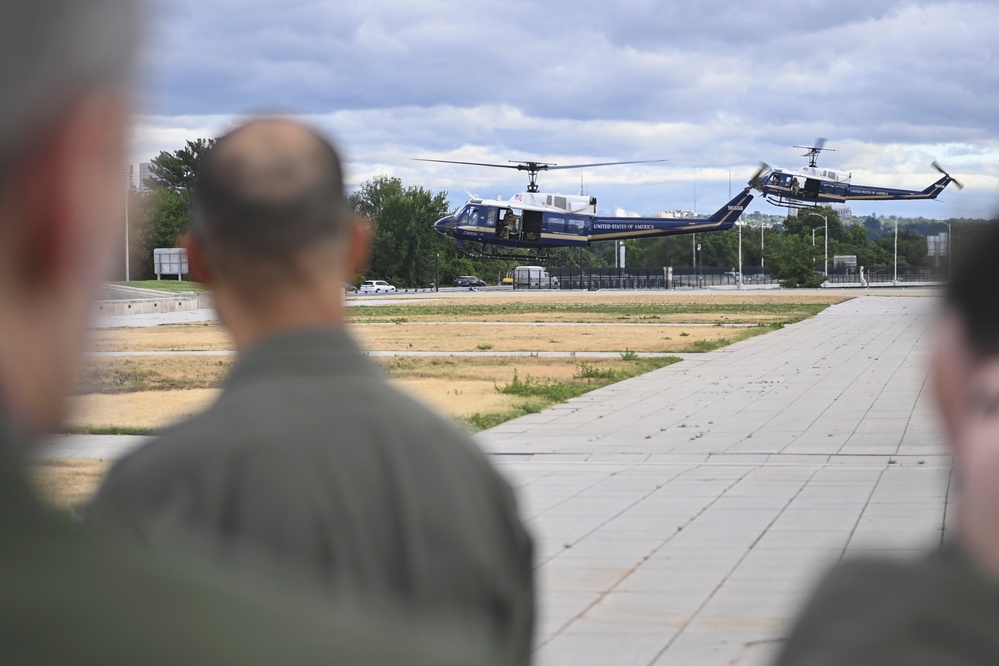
67,483
142,410
532,338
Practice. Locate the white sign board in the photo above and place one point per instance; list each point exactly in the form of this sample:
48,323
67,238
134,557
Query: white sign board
170,261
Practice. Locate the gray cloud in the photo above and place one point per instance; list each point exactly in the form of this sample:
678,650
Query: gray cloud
710,85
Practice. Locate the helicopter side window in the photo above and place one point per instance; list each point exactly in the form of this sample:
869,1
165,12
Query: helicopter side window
491,218
556,225
574,226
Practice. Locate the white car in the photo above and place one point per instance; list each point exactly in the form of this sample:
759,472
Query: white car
376,287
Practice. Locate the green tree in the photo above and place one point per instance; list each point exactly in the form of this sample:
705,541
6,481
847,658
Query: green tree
406,247
179,170
164,210
791,258
162,219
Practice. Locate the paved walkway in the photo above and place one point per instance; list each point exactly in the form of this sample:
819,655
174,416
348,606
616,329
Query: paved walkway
682,516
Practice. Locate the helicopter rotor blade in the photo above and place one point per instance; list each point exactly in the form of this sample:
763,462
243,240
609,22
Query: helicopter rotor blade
553,167
936,165
755,180
485,164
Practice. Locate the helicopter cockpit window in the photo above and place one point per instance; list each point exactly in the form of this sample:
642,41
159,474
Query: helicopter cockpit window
491,218
473,217
556,225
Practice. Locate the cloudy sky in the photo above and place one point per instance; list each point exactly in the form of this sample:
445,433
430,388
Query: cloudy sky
713,86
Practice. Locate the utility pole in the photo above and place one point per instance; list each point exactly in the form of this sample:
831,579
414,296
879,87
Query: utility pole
763,268
894,281
825,264
128,186
437,272
740,240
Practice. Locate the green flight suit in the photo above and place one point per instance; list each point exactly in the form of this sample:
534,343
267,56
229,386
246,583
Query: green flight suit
314,459
70,598
937,612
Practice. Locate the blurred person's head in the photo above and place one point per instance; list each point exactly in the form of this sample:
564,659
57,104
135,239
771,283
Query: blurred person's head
272,234
968,330
65,70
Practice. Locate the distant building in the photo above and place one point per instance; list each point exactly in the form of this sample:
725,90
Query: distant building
145,173
843,211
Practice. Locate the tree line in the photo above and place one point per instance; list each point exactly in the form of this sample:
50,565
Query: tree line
409,253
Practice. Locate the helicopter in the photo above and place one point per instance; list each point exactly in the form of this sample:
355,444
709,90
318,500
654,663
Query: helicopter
812,186
531,224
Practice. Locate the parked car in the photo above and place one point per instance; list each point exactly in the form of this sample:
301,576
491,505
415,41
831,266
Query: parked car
469,281
376,287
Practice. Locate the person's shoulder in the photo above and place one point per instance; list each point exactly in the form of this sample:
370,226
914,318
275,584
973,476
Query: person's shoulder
879,611
118,604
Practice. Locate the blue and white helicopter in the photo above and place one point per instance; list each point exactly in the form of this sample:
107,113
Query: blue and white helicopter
531,223
812,187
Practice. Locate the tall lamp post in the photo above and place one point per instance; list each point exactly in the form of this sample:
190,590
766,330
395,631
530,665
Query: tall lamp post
700,260
950,251
437,272
763,266
128,187
740,251
825,261
894,280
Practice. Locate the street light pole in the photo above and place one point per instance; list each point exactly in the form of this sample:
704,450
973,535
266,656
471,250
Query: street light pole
825,264
763,268
950,251
700,260
740,252
128,186
437,272
894,281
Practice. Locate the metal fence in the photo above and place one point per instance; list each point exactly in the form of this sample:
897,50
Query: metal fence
698,278
888,276
610,278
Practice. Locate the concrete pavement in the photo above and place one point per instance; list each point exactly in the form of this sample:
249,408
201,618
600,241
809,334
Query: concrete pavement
681,517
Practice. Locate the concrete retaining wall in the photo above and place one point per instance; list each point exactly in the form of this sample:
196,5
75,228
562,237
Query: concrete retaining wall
122,300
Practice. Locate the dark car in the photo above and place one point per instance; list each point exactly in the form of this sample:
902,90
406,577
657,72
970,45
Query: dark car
469,281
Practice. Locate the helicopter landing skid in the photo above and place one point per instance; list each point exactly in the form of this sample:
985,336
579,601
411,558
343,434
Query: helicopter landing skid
790,203
483,251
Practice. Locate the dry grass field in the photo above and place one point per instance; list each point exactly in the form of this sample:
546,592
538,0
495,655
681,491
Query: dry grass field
145,393
68,483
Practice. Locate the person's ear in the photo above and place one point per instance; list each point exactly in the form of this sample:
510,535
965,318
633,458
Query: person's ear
359,242
196,260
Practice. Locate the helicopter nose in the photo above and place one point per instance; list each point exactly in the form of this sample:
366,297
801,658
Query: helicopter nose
446,225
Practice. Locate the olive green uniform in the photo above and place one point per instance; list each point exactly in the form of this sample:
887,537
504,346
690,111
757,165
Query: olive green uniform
937,612
68,598
311,456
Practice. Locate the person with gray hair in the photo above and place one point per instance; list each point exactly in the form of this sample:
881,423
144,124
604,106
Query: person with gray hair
70,598
310,456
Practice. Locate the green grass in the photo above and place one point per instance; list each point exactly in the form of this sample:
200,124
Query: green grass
787,312
108,430
173,286
538,395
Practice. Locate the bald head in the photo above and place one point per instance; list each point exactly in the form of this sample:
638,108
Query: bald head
270,190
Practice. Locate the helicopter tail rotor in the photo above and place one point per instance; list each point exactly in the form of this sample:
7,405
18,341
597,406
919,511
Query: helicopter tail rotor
958,185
